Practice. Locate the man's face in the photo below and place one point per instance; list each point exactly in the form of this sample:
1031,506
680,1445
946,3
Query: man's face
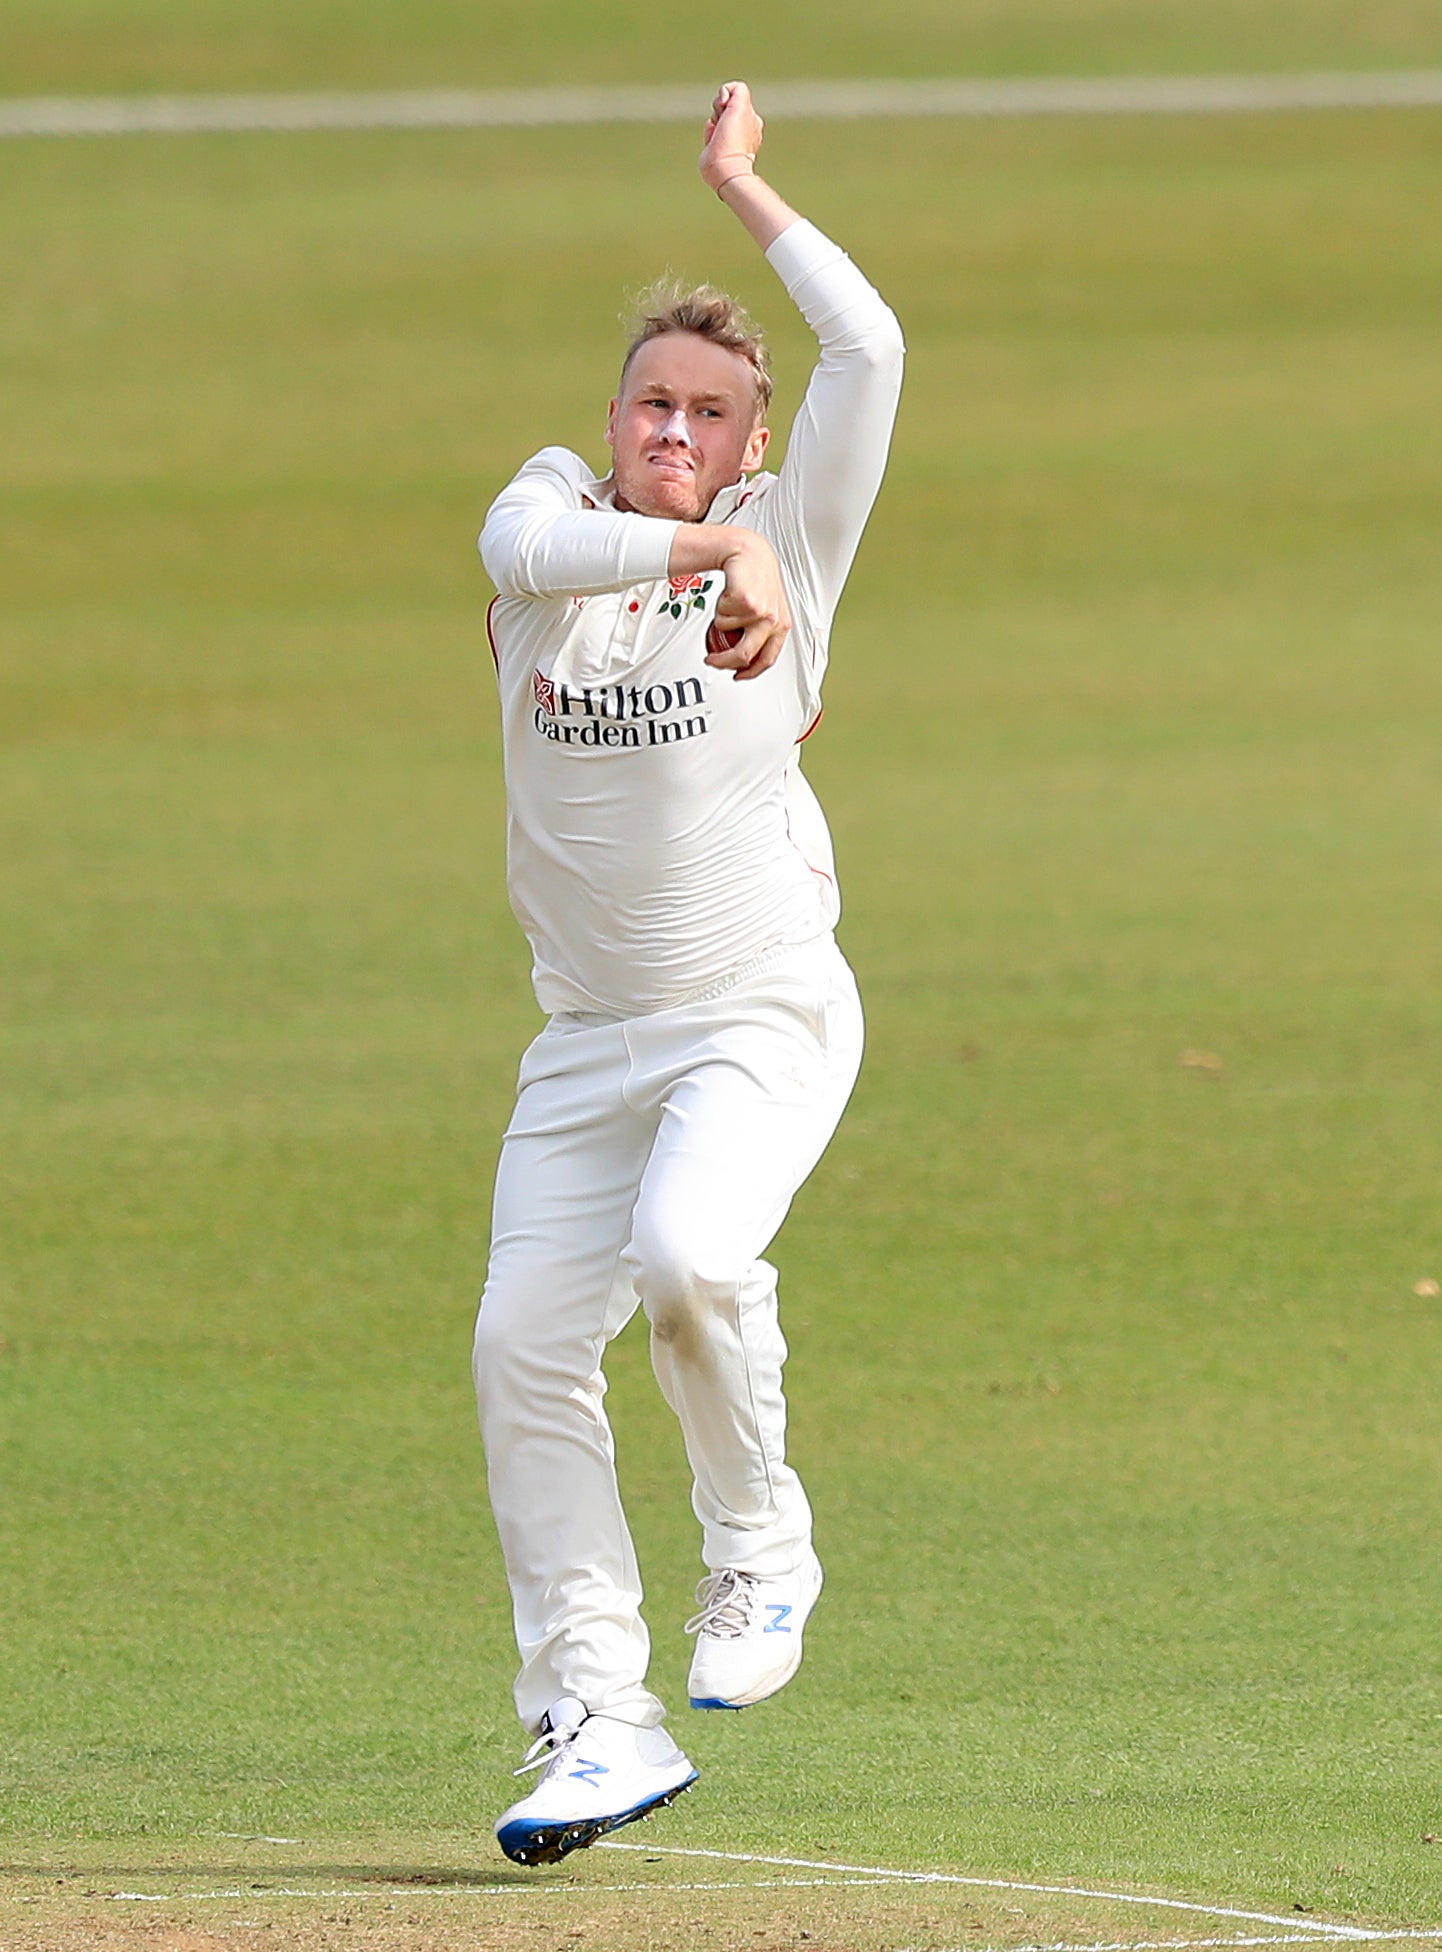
683,428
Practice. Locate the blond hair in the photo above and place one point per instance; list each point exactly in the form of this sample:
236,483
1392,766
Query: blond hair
670,306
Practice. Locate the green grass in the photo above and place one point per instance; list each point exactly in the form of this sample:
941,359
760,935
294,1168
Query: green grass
1111,1381
62,45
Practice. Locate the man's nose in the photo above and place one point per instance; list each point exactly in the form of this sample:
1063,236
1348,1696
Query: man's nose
677,428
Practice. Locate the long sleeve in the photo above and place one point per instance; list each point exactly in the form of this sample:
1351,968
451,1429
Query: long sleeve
836,454
541,540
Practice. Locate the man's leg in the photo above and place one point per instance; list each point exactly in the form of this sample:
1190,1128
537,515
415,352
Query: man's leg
751,1087
556,1292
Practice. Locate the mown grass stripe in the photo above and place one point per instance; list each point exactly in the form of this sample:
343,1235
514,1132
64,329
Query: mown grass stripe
435,108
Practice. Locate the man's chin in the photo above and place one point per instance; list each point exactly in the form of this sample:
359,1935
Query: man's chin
671,500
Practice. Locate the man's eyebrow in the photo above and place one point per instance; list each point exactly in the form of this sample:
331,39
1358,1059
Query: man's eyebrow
697,399
664,386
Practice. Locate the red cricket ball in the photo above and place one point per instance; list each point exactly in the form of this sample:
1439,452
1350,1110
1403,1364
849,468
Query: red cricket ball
720,639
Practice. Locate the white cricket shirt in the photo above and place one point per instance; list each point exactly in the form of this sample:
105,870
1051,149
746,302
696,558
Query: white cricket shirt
660,834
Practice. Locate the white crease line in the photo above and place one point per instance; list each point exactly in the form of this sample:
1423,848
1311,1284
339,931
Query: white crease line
1172,1944
1301,1932
518,108
1004,1884
1343,1936
1198,1944
866,1880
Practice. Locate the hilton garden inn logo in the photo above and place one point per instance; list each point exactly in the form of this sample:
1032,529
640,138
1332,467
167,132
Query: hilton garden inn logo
620,715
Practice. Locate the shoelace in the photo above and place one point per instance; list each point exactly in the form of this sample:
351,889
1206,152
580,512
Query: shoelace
728,1605
547,1746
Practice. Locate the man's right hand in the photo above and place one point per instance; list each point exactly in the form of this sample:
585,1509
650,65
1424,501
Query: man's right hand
733,136
753,601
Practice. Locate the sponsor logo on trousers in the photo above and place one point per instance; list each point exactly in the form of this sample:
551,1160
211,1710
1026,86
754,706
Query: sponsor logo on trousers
618,715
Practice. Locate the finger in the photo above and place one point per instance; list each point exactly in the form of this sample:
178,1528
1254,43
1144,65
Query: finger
763,653
718,109
766,656
732,648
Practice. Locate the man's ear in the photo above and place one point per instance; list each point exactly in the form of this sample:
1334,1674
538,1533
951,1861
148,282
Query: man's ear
755,450
611,423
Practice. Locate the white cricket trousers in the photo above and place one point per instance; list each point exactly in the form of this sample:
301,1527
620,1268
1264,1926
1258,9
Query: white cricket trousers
649,1163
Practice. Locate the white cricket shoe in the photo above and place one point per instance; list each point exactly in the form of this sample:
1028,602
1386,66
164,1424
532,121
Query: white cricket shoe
748,1634
596,1775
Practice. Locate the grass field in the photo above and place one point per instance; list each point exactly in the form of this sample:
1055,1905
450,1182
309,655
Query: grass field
64,45
1114,1312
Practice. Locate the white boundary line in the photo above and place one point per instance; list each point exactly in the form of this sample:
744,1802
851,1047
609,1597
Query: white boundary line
518,108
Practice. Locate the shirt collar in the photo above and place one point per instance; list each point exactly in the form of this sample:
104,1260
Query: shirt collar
602,494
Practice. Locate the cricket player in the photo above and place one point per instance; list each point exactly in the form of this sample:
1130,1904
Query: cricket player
660,637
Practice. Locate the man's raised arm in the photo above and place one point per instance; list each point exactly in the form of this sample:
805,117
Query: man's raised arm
837,450
728,165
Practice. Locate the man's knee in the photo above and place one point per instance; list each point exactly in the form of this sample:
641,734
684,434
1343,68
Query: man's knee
683,1291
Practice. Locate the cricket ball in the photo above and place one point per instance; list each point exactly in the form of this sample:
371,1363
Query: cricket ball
719,639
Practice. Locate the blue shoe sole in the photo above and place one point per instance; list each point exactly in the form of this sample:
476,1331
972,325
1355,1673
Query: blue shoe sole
714,1701
547,1843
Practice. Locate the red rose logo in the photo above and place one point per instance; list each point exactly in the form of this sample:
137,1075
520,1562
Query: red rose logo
686,593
